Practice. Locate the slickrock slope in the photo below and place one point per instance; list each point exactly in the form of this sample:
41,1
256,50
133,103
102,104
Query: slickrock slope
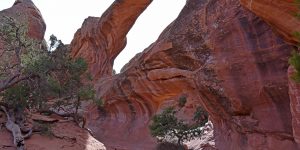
217,53
100,40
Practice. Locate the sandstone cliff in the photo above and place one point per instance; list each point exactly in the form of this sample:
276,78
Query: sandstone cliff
66,135
281,16
100,40
221,56
217,53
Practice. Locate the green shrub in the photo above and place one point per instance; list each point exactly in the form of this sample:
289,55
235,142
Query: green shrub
294,60
99,103
200,116
182,101
166,126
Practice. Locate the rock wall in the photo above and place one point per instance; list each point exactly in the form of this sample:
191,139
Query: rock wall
280,14
219,55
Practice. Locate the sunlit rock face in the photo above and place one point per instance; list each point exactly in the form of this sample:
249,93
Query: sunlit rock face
100,40
218,54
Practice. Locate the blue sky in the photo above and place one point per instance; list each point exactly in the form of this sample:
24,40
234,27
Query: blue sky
64,17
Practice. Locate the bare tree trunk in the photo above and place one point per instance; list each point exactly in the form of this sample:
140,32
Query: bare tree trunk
15,130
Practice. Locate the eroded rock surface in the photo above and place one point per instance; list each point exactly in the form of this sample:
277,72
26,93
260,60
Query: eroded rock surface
100,40
219,55
280,14
294,92
26,13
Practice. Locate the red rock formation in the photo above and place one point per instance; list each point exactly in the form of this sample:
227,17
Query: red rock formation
278,13
218,54
25,12
25,15
294,92
63,135
100,40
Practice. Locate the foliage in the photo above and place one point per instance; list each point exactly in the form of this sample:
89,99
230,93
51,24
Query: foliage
17,96
39,74
99,103
294,60
200,116
86,92
182,101
166,126
297,3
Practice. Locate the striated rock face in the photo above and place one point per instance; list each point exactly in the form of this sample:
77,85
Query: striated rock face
278,13
219,55
100,40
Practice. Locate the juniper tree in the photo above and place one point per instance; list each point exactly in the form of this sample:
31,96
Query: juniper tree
166,125
30,75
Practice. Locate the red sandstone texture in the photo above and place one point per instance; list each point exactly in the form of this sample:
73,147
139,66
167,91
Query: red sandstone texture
218,54
278,13
294,92
100,40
